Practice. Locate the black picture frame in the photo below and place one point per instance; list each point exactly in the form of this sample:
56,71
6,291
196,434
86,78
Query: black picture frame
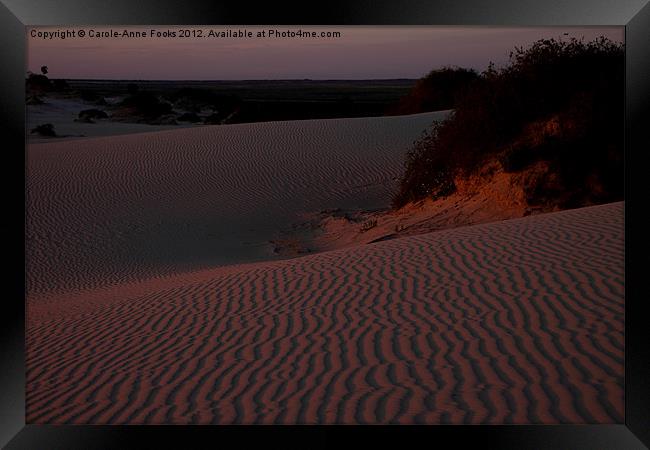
15,15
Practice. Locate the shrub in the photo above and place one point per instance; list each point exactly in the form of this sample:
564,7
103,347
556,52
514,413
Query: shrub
46,129
214,119
89,115
189,117
34,100
92,97
38,83
437,91
147,105
576,84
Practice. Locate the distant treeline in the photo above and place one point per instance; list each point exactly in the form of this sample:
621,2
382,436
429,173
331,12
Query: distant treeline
214,102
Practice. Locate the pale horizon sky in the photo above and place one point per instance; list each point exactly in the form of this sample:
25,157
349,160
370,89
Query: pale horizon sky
362,52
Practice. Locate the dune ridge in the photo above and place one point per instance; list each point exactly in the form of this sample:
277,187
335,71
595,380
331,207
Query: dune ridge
520,321
123,208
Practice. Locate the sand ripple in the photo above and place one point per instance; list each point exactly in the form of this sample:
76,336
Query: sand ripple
514,322
108,210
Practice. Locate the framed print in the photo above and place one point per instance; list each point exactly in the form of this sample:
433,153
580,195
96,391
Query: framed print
370,223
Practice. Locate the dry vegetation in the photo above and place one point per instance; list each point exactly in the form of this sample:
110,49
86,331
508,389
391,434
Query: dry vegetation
557,106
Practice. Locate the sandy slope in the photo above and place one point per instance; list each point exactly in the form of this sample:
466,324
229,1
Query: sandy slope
512,322
108,210
490,195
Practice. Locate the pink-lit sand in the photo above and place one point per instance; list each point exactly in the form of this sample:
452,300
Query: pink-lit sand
518,321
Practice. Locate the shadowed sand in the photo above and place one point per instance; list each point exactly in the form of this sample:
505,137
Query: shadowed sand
107,210
519,321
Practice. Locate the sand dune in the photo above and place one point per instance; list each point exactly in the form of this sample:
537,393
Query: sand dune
519,321
108,210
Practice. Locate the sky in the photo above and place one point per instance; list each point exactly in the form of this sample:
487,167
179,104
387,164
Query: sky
361,52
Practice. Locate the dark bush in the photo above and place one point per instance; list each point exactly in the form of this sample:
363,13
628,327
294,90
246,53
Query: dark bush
576,87
437,91
147,104
46,129
34,100
89,115
92,97
428,177
189,117
38,83
214,119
